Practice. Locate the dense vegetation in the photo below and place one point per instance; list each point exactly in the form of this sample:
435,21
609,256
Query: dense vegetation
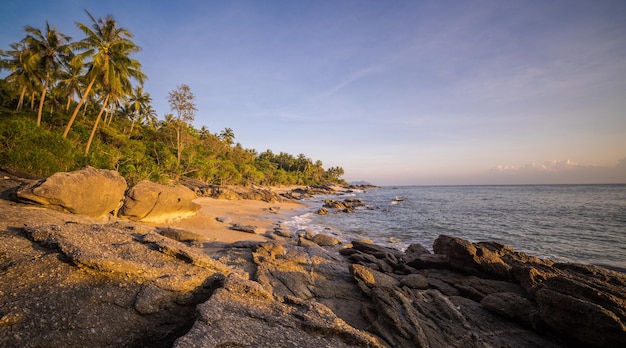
66,104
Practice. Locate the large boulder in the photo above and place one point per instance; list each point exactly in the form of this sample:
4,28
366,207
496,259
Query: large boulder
151,202
89,191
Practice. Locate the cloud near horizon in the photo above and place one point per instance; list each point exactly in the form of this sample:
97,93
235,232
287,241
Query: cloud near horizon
558,172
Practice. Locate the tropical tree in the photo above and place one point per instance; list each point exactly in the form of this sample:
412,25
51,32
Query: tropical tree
109,48
114,76
227,136
118,85
139,102
20,75
48,51
71,80
150,117
182,102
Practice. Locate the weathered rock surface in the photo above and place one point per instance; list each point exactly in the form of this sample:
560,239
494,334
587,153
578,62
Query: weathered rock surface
151,202
89,191
244,314
99,285
583,302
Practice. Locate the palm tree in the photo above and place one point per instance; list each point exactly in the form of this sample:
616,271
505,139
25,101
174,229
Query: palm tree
117,86
48,49
72,80
150,117
227,136
139,102
21,76
109,48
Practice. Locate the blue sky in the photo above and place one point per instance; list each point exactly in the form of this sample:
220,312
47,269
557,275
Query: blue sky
395,92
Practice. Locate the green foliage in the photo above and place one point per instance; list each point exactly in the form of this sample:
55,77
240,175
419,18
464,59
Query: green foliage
32,149
46,76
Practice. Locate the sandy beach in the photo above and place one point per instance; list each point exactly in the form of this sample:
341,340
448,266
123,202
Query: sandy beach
262,215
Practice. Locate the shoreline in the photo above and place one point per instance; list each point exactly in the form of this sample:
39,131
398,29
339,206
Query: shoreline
134,285
263,216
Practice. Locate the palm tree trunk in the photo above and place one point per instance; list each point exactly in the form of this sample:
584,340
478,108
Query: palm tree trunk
43,97
80,103
95,125
21,101
32,101
132,125
69,99
178,143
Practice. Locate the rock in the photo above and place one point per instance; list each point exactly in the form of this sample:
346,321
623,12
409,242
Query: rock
584,301
414,250
415,281
322,211
179,234
325,240
243,313
247,228
310,273
347,206
225,220
470,258
98,285
283,231
151,202
230,192
436,261
514,306
74,192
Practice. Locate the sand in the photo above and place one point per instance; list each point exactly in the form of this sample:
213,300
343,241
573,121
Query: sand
262,215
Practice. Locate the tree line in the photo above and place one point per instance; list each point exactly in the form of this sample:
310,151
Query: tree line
65,104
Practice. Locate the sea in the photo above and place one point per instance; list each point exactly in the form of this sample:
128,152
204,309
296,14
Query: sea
566,223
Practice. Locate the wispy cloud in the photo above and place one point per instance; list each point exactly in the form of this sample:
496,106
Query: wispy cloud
348,80
557,172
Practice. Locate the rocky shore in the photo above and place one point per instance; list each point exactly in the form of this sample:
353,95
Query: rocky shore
71,280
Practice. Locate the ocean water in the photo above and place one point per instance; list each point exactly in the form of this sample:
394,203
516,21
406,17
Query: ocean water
573,223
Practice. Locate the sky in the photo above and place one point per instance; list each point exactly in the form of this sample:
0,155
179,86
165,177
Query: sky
394,92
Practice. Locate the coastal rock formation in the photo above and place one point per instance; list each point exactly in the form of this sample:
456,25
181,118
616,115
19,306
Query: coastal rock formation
243,313
151,202
231,192
74,192
347,205
130,285
112,285
486,288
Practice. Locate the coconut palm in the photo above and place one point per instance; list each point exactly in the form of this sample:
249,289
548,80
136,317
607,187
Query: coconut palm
20,75
227,136
150,117
48,51
109,48
139,102
118,85
71,80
